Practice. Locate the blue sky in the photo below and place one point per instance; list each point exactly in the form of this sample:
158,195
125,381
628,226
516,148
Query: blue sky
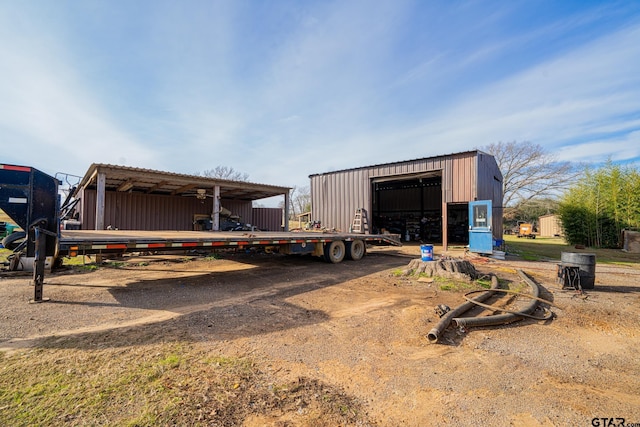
284,89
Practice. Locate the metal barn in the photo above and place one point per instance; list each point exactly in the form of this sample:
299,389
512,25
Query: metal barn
130,198
425,199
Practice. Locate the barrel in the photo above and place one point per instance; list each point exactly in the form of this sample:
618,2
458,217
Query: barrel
586,264
427,252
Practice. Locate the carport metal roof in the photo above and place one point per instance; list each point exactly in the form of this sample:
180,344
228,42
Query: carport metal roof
125,178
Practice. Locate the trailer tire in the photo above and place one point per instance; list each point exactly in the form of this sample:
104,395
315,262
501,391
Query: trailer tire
334,252
356,250
13,240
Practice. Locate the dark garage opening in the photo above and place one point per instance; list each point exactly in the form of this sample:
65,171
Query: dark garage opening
458,223
413,208
409,207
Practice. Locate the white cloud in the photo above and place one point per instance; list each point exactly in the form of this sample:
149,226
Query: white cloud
48,115
584,92
616,149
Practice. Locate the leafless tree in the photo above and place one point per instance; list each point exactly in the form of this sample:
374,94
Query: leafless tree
529,172
226,172
299,201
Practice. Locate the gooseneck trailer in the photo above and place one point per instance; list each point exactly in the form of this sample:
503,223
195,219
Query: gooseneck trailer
30,198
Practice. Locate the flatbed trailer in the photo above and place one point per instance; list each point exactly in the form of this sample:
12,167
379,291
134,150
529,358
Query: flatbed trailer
30,198
333,247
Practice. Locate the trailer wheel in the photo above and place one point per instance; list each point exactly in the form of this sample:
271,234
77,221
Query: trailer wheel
356,250
14,239
334,252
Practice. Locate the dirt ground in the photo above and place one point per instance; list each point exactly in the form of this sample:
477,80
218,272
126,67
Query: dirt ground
360,327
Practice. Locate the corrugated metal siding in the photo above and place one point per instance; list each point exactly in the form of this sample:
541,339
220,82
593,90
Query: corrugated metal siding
463,178
241,208
405,168
336,197
138,211
267,219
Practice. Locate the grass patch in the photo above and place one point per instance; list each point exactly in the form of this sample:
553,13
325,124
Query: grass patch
4,253
454,285
484,283
156,383
549,249
399,272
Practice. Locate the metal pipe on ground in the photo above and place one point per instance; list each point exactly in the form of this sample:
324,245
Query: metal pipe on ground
444,322
502,319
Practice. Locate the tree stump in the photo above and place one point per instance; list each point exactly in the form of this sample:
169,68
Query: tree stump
450,268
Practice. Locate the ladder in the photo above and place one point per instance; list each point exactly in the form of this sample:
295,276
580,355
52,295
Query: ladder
360,223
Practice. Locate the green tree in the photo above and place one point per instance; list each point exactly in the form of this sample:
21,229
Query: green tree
596,209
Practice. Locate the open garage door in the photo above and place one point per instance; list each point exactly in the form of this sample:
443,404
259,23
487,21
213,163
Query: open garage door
410,206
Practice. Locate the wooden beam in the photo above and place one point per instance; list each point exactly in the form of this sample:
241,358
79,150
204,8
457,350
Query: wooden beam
183,189
126,186
156,186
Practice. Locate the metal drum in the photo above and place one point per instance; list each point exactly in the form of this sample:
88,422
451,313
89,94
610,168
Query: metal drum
586,264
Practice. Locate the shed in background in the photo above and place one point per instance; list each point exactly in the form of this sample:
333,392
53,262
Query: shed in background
130,198
426,199
631,241
549,226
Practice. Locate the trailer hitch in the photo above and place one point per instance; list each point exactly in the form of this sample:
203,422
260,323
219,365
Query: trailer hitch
40,234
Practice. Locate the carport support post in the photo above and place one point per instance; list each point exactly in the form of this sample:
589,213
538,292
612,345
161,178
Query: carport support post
445,227
285,220
215,217
100,196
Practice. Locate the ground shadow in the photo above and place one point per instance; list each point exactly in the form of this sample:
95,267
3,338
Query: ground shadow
216,305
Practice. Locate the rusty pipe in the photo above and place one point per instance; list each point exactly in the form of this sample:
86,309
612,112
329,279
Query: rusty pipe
444,322
502,319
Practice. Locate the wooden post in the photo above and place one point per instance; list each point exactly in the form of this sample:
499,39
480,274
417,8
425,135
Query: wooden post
100,200
285,220
215,217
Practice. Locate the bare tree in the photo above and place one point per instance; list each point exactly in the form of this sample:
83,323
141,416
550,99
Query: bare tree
299,201
529,172
225,172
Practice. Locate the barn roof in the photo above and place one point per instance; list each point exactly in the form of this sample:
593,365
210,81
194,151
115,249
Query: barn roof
131,179
398,162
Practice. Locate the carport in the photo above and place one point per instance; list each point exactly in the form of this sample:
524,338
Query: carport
144,199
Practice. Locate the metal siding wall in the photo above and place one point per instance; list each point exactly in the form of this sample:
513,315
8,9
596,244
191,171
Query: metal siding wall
335,196
137,211
238,207
88,214
447,181
463,178
269,219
